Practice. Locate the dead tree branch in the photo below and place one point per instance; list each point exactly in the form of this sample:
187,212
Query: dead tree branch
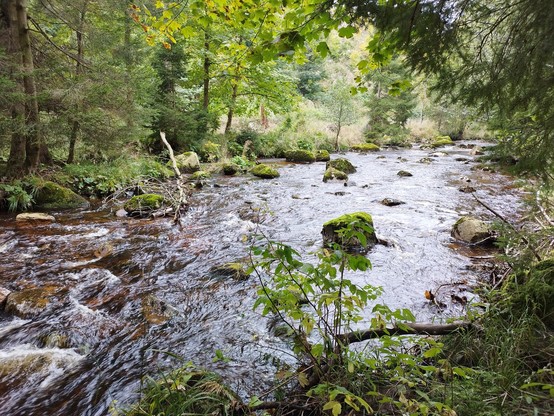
182,201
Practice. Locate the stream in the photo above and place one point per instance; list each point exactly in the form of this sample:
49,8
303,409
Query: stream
89,348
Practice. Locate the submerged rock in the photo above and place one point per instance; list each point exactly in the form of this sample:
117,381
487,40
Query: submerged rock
331,232
35,216
472,231
156,311
467,189
264,171
300,155
425,160
332,173
404,173
322,156
4,293
51,196
28,303
341,164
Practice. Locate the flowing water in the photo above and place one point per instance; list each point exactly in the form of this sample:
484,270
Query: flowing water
89,348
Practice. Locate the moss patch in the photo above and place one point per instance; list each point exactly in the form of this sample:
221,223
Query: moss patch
187,162
365,147
264,171
51,196
322,156
299,155
341,164
441,141
200,175
143,203
230,169
360,222
332,173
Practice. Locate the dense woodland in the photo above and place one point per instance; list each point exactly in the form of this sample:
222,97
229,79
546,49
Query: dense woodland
88,85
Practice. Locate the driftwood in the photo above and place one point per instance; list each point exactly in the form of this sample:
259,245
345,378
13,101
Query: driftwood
404,329
182,201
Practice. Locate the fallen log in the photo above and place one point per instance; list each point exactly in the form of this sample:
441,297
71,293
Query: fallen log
404,329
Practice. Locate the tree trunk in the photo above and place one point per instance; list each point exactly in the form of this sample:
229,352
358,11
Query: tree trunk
207,64
339,125
76,125
18,152
33,137
231,107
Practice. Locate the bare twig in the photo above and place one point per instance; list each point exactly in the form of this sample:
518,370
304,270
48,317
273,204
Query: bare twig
182,202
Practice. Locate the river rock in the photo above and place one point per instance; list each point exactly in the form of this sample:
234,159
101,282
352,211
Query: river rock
233,270
390,202
365,147
35,216
39,363
156,311
187,162
477,151
467,189
143,205
341,164
440,141
330,232
200,175
4,293
332,173
404,173
322,156
51,196
230,169
472,231
300,156
29,303
264,171
426,160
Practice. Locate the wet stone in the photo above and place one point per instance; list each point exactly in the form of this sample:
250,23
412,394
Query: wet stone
404,173
390,202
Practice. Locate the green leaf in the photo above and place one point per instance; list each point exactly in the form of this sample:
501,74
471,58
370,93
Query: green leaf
432,352
347,32
323,49
334,406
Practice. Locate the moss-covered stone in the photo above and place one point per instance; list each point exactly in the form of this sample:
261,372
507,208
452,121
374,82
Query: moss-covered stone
264,171
360,222
200,175
233,270
365,147
187,162
332,173
230,169
51,196
322,156
472,231
341,164
143,204
441,141
300,155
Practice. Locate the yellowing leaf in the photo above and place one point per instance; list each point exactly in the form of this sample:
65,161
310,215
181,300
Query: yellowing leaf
334,406
303,379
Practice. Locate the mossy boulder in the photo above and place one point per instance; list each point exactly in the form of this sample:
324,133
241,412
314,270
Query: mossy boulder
360,222
441,141
472,231
187,162
230,169
143,205
341,164
322,156
51,196
200,175
365,147
332,173
300,156
264,171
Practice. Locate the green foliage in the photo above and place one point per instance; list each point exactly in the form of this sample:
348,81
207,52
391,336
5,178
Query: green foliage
103,179
319,303
16,196
185,391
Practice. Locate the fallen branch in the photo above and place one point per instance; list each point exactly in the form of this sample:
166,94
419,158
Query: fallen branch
182,201
404,329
